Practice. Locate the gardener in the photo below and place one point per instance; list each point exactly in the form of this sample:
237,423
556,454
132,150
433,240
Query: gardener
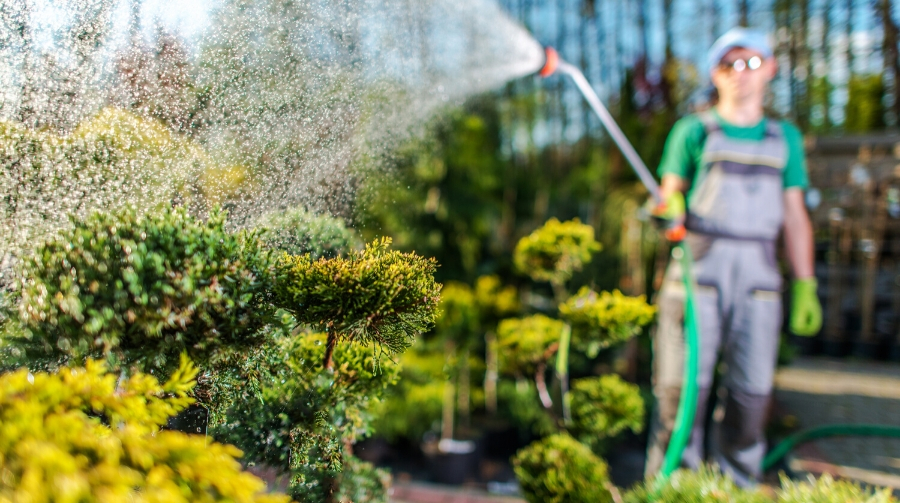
743,177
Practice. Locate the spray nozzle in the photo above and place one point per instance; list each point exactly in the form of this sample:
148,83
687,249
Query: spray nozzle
551,62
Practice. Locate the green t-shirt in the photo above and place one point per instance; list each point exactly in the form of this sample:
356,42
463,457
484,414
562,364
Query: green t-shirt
683,152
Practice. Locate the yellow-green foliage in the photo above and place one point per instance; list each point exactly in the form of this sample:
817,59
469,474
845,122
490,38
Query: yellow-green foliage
55,444
706,485
523,343
371,296
413,405
458,318
556,251
495,300
110,160
709,485
828,490
601,320
602,407
560,469
864,110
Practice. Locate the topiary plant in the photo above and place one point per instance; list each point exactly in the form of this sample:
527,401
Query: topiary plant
599,408
307,416
560,469
87,435
526,345
602,320
141,289
603,407
556,251
375,296
300,232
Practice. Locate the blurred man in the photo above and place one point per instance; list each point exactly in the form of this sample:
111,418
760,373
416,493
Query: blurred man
742,178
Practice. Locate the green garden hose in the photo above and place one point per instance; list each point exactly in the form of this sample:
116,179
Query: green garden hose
831,430
687,402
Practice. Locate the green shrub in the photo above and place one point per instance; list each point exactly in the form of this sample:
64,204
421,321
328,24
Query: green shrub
604,319
602,407
85,435
556,251
375,296
306,415
524,344
828,490
141,289
707,485
300,232
560,469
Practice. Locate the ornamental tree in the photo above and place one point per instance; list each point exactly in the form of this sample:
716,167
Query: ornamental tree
598,408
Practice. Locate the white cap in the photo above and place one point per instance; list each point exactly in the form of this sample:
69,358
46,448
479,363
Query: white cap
739,37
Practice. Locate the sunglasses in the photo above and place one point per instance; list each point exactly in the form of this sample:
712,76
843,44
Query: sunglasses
739,65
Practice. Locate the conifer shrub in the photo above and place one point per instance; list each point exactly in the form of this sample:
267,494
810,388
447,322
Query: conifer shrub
307,416
556,251
602,320
603,407
373,296
526,344
141,289
560,469
300,232
79,435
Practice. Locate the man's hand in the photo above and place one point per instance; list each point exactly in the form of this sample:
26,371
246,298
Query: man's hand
806,312
669,215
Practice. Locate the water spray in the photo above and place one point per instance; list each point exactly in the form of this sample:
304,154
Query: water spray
684,419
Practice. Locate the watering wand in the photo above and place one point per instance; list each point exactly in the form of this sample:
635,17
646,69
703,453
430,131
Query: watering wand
687,403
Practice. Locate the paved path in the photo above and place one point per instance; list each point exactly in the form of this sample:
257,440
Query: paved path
819,391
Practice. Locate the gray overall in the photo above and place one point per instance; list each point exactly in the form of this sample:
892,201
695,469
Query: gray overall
734,217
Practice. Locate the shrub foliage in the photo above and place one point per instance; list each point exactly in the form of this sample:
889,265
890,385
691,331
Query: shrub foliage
603,407
376,295
79,436
560,469
300,232
556,251
307,415
142,289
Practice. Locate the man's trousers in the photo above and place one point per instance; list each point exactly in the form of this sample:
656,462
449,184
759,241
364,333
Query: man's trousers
738,300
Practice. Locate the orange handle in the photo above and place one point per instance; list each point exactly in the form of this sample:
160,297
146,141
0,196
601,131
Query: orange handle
676,234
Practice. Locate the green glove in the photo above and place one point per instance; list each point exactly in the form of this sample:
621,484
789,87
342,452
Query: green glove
670,210
669,216
806,312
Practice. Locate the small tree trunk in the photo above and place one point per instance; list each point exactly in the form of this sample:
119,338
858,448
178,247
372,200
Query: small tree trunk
329,349
449,395
491,373
540,381
464,392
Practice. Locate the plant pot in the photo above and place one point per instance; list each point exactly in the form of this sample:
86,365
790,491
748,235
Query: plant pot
454,461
